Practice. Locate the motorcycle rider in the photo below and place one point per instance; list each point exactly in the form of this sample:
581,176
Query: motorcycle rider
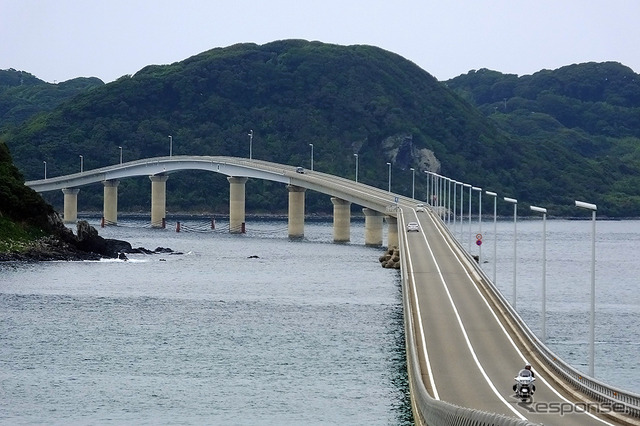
526,372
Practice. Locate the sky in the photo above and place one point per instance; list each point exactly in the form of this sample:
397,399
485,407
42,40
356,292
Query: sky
57,40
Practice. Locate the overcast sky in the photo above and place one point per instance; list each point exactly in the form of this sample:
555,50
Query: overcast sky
63,39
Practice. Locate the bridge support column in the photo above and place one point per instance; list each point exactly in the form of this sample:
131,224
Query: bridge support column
158,200
392,231
372,227
110,207
70,204
236,204
341,220
296,211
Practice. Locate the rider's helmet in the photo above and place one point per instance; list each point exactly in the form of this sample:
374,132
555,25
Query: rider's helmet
527,366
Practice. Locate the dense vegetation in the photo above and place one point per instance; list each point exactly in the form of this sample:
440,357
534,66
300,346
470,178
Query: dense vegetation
592,110
22,95
23,213
545,148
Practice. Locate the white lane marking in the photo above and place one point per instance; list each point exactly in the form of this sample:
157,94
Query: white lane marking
464,332
420,326
513,343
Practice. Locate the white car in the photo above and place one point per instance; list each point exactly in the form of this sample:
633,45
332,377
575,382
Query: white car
413,227
421,209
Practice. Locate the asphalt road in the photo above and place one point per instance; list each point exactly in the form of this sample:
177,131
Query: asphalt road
471,357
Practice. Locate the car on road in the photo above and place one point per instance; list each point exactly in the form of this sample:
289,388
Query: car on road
413,227
420,208
300,170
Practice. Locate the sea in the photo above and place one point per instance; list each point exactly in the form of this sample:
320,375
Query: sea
257,328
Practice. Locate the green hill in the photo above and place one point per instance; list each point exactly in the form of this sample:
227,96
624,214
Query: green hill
344,100
592,110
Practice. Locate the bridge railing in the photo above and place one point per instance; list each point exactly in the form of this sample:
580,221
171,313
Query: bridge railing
426,409
616,400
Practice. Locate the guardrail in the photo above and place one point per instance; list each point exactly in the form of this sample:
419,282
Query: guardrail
427,410
618,400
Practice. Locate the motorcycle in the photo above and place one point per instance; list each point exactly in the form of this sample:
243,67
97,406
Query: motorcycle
524,387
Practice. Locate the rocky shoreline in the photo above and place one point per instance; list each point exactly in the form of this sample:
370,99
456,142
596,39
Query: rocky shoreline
86,244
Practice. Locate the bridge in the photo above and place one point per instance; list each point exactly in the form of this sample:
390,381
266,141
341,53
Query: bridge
464,341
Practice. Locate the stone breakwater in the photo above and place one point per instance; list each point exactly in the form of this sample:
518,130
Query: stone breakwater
391,258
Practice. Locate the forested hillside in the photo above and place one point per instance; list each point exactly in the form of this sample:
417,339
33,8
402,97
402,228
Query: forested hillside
344,100
591,109
22,95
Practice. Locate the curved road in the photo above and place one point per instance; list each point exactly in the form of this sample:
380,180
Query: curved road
471,358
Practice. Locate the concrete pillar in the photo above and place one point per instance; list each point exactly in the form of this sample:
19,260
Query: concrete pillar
236,204
372,227
110,207
70,204
158,200
341,220
392,231
296,211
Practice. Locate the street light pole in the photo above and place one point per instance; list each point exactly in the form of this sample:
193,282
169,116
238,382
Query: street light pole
81,164
389,164
469,242
495,230
455,196
311,145
592,317
449,180
120,148
413,183
461,212
250,144
45,170
356,155
543,334
515,239
170,146
475,188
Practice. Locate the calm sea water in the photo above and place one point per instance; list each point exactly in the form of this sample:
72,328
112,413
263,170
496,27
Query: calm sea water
307,332
258,329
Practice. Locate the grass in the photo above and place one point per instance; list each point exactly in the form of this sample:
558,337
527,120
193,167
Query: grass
15,237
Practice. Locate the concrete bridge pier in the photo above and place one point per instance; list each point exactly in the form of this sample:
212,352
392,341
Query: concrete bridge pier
70,204
236,204
158,200
296,211
341,220
392,231
372,227
110,207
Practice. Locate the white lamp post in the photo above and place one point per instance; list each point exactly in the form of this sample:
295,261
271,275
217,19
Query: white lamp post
515,245
495,229
120,148
592,318
543,325
311,145
413,183
45,170
466,185
428,177
449,180
81,164
475,188
455,196
170,146
250,144
461,211
356,155
389,164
